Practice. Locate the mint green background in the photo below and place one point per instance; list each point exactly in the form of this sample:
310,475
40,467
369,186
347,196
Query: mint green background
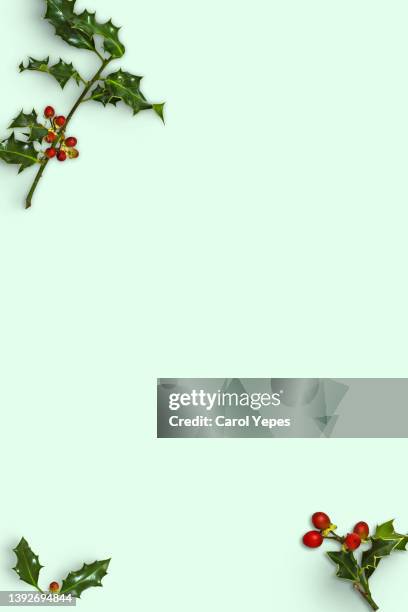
261,233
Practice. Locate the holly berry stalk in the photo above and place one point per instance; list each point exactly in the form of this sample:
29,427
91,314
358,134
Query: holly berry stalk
62,122
382,543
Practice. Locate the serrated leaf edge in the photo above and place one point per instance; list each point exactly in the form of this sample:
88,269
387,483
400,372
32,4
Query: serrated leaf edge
23,541
85,565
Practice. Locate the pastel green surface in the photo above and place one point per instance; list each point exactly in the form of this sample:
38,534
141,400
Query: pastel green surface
262,232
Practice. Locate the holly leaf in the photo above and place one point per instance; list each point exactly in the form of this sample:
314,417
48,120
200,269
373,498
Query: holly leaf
86,22
79,30
347,566
61,71
28,565
60,14
125,86
14,151
37,133
380,548
101,94
29,120
89,576
386,531
24,120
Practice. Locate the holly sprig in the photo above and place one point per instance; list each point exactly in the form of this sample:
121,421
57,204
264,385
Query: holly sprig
382,543
27,145
28,568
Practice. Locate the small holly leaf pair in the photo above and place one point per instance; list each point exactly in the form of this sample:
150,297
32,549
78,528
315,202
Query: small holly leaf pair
79,30
28,568
61,71
124,86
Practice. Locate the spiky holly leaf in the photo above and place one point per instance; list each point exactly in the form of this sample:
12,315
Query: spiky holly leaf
28,565
24,120
19,152
89,576
37,133
60,14
86,22
34,64
386,531
379,549
61,71
125,86
347,566
101,94
29,120
79,30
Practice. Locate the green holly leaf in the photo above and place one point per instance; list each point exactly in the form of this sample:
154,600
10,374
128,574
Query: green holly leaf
61,71
34,64
79,30
386,531
124,86
24,120
89,576
384,539
347,566
37,133
14,151
380,548
86,23
60,14
28,565
101,94
29,120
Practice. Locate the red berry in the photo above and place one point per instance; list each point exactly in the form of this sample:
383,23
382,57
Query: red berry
62,156
321,521
49,112
71,141
60,120
54,587
313,539
51,136
51,152
362,530
352,541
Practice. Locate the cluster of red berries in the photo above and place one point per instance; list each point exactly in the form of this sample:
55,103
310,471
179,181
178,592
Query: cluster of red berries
314,539
54,587
61,147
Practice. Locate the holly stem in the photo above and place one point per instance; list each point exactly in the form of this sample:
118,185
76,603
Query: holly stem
88,86
35,184
365,593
